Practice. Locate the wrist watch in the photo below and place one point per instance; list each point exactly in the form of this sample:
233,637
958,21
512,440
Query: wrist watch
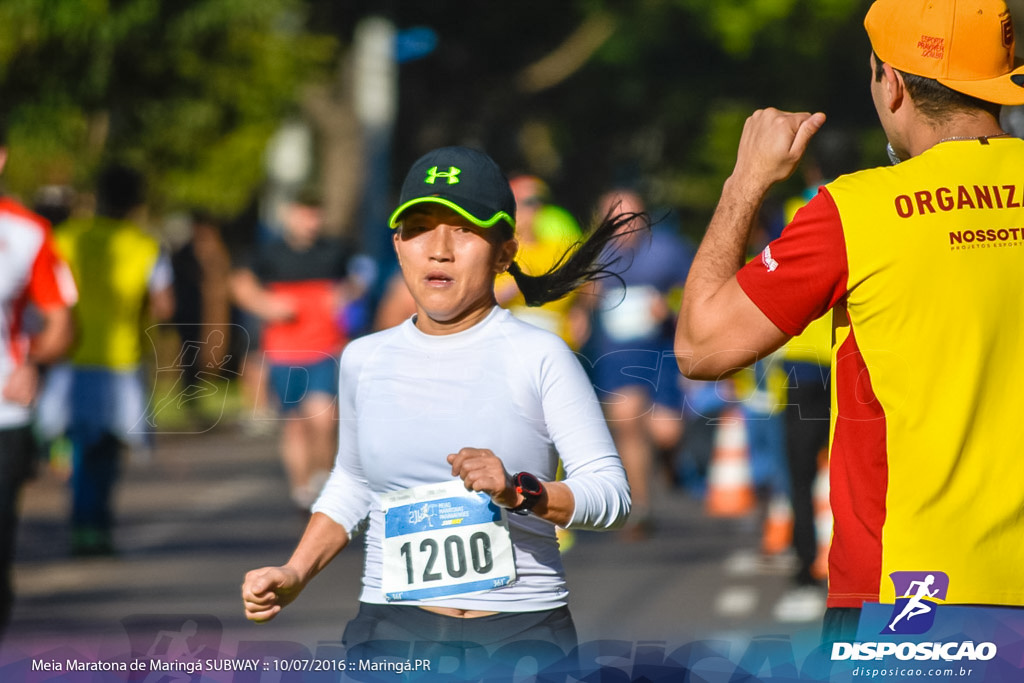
530,488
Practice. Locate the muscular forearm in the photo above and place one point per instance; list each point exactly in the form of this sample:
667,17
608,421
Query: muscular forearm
721,253
703,314
719,328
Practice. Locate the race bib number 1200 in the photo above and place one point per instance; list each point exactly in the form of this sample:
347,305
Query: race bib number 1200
442,540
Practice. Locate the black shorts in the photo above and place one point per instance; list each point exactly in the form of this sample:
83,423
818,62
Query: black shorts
457,648
840,625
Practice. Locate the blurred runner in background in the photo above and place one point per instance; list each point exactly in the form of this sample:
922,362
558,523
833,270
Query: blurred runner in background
299,285
631,352
36,293
125,280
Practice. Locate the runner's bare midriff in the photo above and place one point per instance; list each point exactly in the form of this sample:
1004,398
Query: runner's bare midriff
456,612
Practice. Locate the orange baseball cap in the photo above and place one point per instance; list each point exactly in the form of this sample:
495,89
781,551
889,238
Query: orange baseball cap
967,45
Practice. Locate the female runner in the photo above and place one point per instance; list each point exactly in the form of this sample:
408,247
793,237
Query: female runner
452,425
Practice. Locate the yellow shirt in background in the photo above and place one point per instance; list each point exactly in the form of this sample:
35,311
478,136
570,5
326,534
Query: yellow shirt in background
112,261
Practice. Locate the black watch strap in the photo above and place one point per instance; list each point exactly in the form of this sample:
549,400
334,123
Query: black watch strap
531,489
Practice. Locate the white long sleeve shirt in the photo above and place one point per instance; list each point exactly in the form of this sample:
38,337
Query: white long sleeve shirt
408,399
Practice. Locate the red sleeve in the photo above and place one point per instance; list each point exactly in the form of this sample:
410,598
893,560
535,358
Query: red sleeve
51,284
802,274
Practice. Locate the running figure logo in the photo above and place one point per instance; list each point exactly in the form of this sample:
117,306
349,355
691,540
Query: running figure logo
425,513
917,594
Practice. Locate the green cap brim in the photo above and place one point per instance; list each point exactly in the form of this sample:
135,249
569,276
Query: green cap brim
394,221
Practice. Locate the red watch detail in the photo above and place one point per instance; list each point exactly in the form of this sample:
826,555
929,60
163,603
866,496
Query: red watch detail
530,488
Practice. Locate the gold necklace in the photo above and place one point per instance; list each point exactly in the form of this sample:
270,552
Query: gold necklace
983,139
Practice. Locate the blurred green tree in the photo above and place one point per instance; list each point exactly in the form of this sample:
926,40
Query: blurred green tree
189,91
592,93
587,93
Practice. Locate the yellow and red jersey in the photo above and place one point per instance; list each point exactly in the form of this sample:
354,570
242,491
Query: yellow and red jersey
921,263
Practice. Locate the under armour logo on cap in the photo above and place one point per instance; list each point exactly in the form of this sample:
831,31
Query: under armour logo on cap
452,175
473,186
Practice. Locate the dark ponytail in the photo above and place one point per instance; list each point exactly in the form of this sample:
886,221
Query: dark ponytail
589,259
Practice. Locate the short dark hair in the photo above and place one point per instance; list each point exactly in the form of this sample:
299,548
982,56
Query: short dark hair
835,151
119,189
935,100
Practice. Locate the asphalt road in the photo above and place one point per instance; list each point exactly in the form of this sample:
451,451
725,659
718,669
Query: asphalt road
206,507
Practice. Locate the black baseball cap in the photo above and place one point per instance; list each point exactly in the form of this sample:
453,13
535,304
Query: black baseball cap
463,179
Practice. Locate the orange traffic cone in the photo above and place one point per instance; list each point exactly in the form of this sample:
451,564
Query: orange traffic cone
822,517
777,531
730,488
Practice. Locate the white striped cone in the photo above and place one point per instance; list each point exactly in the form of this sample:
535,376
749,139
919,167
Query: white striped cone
730,487
822,517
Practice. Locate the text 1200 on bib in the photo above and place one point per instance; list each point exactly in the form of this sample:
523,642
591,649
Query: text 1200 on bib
442,540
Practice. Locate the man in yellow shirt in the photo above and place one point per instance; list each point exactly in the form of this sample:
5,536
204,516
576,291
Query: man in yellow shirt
920,264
